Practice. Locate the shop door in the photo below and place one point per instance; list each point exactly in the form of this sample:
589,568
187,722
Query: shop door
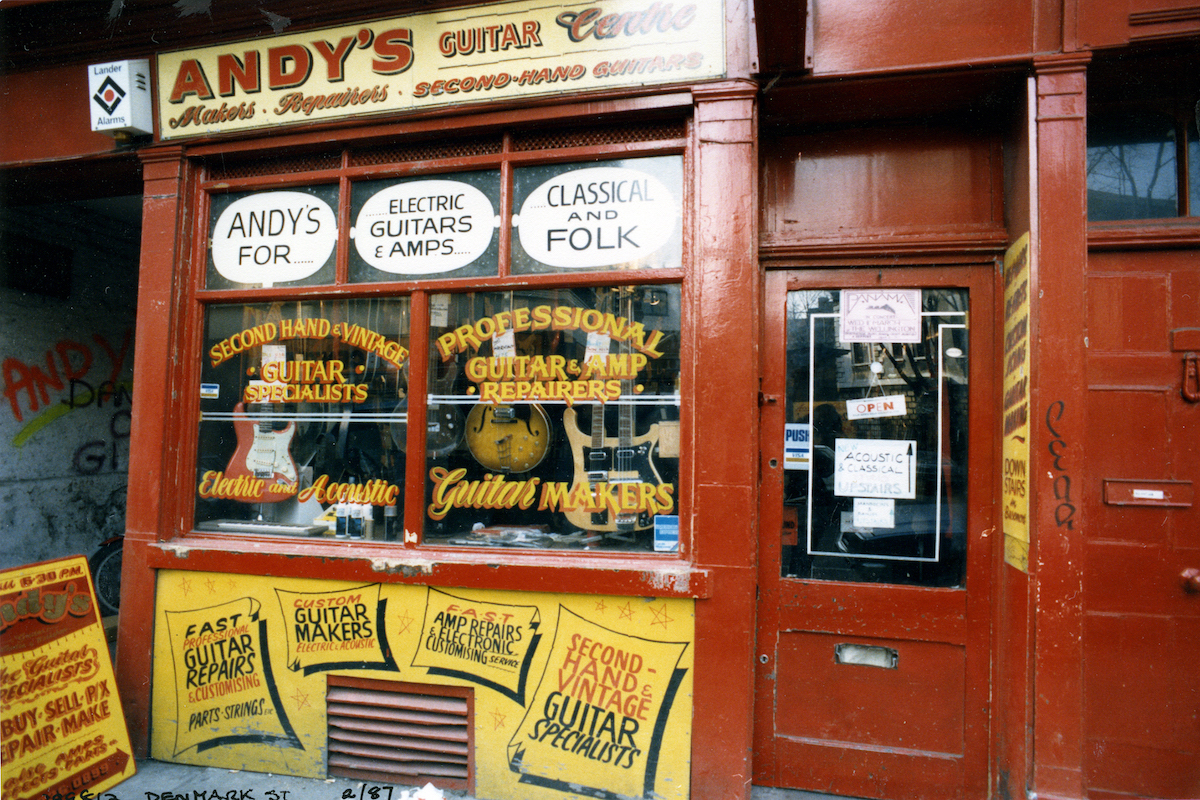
1141,664
877,445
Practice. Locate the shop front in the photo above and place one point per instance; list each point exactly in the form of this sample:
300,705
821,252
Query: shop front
423,498
653,400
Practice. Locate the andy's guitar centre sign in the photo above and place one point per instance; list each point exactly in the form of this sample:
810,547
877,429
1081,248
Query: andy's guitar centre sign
502,51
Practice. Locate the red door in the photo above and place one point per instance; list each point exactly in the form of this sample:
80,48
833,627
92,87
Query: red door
877,444
1142,613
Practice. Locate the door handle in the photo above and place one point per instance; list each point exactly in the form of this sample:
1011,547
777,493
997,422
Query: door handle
1191,378
1191,580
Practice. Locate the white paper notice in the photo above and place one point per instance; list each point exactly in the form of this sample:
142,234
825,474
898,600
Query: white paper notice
874,513
875,468
881,315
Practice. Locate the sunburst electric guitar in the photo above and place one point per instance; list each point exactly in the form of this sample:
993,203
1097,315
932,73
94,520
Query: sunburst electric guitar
506,438
264,453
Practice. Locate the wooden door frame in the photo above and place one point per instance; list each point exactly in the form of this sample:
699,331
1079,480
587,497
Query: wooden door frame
975,629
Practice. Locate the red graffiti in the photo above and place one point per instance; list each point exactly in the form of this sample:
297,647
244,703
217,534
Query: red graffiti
67,361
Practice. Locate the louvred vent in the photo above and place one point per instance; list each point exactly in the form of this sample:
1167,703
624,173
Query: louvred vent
400,733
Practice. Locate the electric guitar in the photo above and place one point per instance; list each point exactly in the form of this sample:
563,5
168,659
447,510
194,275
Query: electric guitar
443,421
264,453
599,459
508,439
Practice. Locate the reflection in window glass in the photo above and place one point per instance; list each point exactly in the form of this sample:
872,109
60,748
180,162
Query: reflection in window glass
1131,171
1193,140
876,440
554,419
300,404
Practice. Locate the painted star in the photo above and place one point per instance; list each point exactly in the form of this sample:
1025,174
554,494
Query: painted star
660,616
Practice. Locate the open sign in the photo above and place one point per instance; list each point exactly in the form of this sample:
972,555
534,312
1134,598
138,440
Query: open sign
273,237
869,407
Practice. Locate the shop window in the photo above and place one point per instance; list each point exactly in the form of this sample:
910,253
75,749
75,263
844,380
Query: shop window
1143,161
567,403
876,458
550,397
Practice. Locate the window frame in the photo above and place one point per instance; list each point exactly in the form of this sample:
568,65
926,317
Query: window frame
209,182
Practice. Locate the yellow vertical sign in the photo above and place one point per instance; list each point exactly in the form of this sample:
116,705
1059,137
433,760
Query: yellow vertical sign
62,732
1015,490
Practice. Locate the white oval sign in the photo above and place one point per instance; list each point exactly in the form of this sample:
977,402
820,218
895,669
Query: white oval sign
273,237
424,227
597,217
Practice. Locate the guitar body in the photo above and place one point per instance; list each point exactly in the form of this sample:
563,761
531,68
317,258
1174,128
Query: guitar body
443,428
508,439
612,462
263,453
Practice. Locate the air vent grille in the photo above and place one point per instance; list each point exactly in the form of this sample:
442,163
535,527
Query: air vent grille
399,732
427,151
588,137
221,169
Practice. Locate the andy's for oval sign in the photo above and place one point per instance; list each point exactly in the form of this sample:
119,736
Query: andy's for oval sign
273,237
597,217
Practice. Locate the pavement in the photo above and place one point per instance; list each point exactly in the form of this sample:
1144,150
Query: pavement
160,780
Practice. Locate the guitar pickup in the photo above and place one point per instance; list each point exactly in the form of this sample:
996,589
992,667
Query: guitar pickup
504,414
597,476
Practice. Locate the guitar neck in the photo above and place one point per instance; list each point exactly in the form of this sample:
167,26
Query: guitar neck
625,419
597,426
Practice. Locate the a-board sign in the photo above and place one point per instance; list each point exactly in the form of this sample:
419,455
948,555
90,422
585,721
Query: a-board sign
62,731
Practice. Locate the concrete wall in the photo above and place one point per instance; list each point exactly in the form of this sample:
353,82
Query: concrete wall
66,366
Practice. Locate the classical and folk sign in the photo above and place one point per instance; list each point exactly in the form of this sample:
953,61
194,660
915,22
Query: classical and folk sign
573,694
61,728
465,55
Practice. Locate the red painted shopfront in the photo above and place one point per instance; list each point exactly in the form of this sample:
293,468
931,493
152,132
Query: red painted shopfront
657,400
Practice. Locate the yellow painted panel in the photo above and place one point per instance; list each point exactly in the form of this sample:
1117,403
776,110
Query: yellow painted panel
573,694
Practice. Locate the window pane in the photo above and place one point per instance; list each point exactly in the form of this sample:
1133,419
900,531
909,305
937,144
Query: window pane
272,238
554,419
1131,165
604,215
427,227
1193,157
876,439
299,402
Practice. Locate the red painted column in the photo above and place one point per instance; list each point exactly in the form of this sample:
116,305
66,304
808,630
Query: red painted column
1058,423
151,440
724,307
